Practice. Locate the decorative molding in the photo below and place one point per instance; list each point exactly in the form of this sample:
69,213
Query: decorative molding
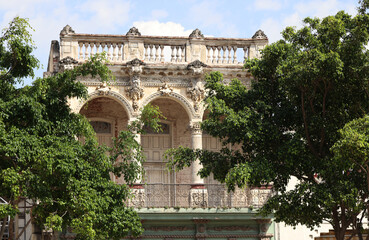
259,35
133,32
67,30
196,34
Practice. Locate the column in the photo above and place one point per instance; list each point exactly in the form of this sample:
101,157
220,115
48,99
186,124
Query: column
196,143
137,188
198,193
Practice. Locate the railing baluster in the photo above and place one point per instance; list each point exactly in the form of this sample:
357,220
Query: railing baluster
162,53
80,51
234,55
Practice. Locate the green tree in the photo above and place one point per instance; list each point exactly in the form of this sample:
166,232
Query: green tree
307,86
42,159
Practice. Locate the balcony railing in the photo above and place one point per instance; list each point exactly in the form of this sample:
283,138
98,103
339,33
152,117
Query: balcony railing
161,49
211,196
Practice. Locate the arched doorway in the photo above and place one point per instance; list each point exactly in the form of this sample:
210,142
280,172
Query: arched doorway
106,116
175,133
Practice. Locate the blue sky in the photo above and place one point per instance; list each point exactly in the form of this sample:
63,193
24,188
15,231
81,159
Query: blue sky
238,18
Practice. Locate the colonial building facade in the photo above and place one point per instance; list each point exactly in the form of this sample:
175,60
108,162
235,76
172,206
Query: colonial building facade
168,72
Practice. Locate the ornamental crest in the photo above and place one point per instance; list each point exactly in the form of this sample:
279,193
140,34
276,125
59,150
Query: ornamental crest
133,32
259,35
67,30
196,34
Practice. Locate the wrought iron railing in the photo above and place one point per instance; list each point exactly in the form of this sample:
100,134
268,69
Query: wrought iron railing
184,196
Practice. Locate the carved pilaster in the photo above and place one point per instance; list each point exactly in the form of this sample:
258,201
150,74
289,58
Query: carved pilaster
135,91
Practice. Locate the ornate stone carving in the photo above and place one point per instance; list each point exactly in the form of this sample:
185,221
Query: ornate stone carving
135,66
68,60
196,67
196,34
198,198
197,94
165,90
67,63
133,32
135,92
103,89
259,35
195,127
67,30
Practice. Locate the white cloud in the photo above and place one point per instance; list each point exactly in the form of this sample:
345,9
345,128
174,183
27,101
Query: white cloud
267,5
158,14
156,28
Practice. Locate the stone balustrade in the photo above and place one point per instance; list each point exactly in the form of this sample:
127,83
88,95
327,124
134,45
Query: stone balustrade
161,49
211,196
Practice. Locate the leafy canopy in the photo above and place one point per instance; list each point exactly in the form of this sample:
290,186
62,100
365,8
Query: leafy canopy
42,158
307,86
